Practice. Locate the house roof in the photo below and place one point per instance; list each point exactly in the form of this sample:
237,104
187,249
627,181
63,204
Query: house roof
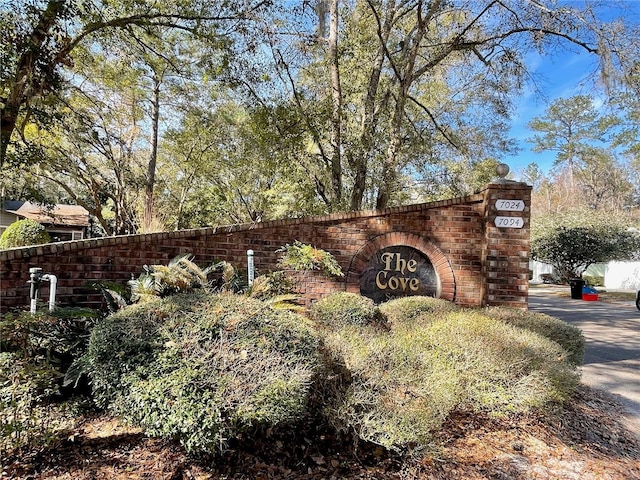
59,215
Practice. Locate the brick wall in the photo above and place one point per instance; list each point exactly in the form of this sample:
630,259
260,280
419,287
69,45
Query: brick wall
477,263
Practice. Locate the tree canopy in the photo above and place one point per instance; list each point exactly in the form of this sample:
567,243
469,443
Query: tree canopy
41,38
183,113
573,241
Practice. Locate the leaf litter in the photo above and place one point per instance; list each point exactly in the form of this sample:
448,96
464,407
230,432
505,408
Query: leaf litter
584,440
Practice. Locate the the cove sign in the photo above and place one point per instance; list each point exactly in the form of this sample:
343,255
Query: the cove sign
397,272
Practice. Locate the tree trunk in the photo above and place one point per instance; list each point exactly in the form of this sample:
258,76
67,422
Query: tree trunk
26,84
360,160
336,110
150,178
389,168
405,72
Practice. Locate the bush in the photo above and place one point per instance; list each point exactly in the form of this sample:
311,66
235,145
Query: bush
25,390
569,337
408,309
402,384
35,352
301,256
203,367
574,240
24,233
56,338
594,281
179,276
271,285
344,308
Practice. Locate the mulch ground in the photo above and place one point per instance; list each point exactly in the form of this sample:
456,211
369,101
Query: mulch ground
583,441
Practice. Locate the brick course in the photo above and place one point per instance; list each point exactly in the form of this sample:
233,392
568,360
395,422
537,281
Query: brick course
477,263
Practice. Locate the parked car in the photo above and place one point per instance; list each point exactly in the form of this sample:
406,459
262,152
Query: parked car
638,300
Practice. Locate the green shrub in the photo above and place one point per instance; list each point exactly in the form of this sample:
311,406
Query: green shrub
35,352
594,281
344,308
180,275
271,285
402,384
301,256
408,309
23,233
568,336
25,390
56,338
203,367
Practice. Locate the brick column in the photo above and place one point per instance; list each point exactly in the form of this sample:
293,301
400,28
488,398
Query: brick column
505,255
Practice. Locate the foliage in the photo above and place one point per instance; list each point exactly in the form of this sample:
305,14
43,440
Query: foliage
409,309
44,38
575,240
344,308
405,101
203,367
248,177
278,290
23,233
230,280
300,256
401,385
116,296
180,275
411,86
568,336
35,352
271,285
25,391
586,139
570,127
594,281
57,336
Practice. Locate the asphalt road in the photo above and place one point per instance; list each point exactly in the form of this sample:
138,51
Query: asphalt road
612,332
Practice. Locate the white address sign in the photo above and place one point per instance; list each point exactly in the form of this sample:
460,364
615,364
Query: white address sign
509,222
510,205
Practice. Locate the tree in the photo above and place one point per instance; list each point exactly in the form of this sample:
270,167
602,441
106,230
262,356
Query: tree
532,175
220,166
603,182
42,36
571,127
455,178
420,83
573,241
96,156
591,143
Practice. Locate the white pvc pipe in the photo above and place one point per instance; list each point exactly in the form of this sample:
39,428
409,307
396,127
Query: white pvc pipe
250,267
53,280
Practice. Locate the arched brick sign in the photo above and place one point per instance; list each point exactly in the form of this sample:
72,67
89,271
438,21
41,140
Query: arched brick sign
400,264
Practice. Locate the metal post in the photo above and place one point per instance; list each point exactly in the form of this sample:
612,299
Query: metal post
250,267
35,276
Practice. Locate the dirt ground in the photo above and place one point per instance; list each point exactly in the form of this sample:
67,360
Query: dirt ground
581,441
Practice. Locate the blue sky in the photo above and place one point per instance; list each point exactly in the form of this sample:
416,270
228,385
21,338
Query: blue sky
559,76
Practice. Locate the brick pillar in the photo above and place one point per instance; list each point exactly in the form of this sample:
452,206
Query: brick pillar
505,255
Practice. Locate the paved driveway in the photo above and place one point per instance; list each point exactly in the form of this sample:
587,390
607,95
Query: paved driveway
612,332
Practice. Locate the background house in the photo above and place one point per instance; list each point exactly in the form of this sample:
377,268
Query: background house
614,275
62,222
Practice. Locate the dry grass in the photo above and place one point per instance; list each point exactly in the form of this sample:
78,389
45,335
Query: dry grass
403,383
